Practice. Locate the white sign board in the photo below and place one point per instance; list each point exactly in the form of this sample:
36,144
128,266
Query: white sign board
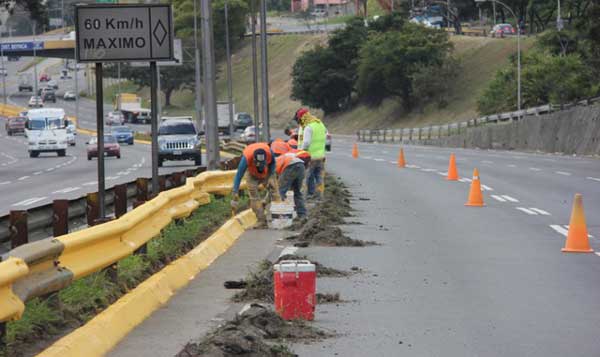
177,55
121,33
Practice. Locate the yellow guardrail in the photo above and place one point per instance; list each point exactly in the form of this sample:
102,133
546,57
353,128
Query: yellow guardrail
9,110
49,265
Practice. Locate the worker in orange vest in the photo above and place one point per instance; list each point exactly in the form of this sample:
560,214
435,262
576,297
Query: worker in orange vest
290,168
279,147
257,166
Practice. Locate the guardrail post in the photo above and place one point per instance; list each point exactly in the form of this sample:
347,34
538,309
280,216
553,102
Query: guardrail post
91,208
60,217
141,185
410,134
419,133
449,129
475,122
370,136
439,131
429,132
384,135
120,200
17,227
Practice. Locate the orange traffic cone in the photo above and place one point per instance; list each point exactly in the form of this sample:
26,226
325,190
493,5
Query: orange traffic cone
475,196
577,239
452,172
355,151
401,162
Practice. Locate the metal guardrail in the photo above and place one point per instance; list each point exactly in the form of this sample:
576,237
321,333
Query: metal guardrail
45,266
438,131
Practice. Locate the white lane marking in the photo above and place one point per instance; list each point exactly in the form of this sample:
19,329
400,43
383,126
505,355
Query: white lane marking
4,183
392,162
367,157
23,178
442,173
534,169
567,228
288,251
112,177
465,179
428,170
91,183
597,253
498,198
50,169
379,159
540,211
385,152
486,188
509,198
412,166
487,162
511,165
563,173
67,190
29,201
523,209
593,178
564,230
123,172
37,173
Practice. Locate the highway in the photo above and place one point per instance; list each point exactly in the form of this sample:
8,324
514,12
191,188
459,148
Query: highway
28,182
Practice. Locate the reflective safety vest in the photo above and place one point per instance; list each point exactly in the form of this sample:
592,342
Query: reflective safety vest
317,142
249,155
283,161
280,147
300,136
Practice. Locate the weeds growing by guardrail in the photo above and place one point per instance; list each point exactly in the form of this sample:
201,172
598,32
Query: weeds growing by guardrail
73,306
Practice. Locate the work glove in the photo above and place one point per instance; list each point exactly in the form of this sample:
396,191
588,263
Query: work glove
234,203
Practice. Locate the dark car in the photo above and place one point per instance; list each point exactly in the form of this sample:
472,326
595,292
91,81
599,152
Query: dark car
49,96
111,147
124,134
242,121
15,125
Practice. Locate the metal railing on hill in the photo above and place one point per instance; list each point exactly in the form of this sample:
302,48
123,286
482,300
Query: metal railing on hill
444,130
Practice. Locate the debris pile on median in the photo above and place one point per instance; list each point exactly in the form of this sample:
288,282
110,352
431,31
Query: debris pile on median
256,331
258,286
320,228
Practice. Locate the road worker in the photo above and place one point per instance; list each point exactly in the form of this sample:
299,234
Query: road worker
290,168
257,166
313,139
279,147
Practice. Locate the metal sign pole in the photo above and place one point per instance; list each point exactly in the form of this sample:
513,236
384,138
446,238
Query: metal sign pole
154,125
229,76
264,61
100,131
254,70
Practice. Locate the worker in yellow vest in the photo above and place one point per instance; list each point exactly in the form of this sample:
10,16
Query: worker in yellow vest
312,139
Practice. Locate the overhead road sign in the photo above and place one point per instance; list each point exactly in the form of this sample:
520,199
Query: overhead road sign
22,46
121,33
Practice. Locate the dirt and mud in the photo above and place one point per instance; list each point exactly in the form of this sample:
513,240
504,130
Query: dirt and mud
256,331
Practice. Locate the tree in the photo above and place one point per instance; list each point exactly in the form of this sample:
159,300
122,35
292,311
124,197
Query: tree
37,9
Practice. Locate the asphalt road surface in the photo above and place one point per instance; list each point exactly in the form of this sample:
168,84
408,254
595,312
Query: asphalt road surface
451,280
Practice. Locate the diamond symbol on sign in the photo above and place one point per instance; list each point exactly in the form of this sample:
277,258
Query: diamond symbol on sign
160,32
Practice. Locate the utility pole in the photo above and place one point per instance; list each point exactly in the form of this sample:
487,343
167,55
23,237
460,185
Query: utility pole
229,77
264,71
35,76
210,99
197,74
5,72
494,9
254,69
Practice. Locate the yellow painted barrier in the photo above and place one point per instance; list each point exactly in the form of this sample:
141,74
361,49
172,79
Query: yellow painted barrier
103,332
78,254
9,110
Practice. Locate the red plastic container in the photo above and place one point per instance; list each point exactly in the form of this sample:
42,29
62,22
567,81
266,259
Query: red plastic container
295,284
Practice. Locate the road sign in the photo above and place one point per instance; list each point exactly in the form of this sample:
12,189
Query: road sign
22,46
177,55
121,33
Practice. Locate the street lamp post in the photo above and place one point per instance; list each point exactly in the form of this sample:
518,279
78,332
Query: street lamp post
5,72
518,50
35,76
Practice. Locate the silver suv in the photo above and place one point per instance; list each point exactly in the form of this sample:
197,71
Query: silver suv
178,139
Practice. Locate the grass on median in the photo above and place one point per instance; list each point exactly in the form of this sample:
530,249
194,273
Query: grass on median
86,297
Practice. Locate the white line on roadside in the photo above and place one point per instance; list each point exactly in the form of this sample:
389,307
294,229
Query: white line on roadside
50,169
392,162
498,198
23,178
564,230
91,183
379,159
530,212
37,173
67,190
593,178
29,201
509,198
4,183
540,211
465,179
511,165
487,162
428,170
486,188
442,173
112,177
534,169
563,173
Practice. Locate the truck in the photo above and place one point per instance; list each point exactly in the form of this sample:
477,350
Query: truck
25,82
46,131
131,106
222,118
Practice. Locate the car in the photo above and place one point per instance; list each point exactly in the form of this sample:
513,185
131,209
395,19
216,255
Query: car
71,131
500,30
144,116
114,118
111,147
3,72
242,121
44,77
53,84
43,89
69,95
178,139
15,125
64,74
35,102
49,96
249,135
318,12
328,142
123,133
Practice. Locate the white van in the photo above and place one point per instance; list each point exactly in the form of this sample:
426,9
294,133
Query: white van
46,131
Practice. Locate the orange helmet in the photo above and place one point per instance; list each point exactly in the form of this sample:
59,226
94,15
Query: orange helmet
280,147
293,143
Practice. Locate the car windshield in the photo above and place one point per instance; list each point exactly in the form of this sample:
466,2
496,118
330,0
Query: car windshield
122,129
177,129
244,117
47,123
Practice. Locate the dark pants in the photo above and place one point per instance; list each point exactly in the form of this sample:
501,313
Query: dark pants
292,178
